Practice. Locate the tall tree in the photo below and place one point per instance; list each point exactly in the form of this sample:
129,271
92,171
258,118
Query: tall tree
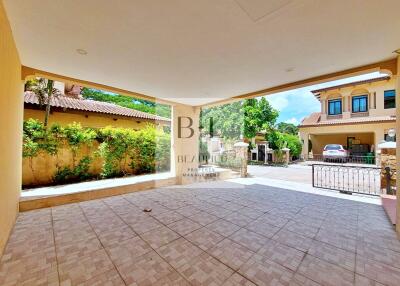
227,120
45,91
242,118
259,115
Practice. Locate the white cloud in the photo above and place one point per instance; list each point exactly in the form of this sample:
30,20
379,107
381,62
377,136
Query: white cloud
293,120
278,101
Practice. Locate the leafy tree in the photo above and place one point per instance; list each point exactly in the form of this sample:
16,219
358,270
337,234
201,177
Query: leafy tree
278,140
242,118
289,128
226,120
128,102
293,143
258,116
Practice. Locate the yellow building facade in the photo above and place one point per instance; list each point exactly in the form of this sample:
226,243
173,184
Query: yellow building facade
356,113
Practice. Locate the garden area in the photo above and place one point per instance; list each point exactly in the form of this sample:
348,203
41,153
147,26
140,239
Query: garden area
55,154
251,120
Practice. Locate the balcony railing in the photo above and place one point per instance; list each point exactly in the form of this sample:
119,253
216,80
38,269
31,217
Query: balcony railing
337,116
360,114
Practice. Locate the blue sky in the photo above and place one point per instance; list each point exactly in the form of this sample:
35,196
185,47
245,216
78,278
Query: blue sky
296,104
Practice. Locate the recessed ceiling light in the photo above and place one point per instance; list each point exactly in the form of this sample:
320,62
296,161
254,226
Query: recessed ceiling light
397,51
81,52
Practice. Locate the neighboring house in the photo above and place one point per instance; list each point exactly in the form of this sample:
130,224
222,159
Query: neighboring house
70,106
356,115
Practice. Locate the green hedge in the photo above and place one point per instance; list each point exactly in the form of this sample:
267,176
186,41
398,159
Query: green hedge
123,151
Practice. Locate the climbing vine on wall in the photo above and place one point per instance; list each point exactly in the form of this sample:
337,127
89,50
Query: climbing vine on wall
122,151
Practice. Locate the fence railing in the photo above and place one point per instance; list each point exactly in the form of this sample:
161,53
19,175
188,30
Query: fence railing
350,159
348,179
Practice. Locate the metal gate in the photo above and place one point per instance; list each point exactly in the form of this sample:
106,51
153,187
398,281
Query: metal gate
348,179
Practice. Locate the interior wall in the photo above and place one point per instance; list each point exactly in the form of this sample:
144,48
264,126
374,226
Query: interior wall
11,102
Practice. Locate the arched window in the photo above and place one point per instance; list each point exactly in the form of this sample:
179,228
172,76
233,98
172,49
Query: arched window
359,100
359,103
335,106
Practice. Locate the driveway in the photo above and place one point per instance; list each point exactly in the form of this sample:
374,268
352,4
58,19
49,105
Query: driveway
295,173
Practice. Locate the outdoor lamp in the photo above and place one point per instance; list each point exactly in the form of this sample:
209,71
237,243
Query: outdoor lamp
392,133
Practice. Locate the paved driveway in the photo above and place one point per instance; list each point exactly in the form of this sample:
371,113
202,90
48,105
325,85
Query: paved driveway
294,173
215,235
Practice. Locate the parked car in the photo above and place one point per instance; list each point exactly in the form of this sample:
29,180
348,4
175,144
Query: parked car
335,152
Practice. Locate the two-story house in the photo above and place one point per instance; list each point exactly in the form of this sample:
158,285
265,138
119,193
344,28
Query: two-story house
358,113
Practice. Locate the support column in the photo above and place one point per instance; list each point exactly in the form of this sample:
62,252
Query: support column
185,141
241,149
304,151
398,144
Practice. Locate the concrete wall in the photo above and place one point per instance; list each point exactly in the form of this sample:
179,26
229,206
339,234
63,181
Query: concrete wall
88,119
45,166
11,102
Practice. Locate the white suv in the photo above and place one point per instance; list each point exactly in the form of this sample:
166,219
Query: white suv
335,152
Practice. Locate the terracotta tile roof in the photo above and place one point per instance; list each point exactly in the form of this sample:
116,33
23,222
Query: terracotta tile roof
62,101
314,119
316,92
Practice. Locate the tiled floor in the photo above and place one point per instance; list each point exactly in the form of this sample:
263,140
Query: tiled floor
252,235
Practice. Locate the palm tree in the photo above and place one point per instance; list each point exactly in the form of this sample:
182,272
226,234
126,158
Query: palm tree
44,90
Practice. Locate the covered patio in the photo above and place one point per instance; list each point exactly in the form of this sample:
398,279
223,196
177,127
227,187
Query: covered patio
209,234
192,55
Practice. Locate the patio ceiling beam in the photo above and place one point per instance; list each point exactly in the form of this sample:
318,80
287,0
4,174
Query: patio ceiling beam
27,72
388,66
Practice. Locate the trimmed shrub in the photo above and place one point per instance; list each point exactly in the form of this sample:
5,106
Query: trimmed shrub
122,151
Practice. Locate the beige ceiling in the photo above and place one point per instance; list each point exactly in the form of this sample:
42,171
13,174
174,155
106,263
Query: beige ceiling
199,51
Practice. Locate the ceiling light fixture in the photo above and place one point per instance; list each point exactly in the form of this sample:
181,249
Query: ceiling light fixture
289,69
81,52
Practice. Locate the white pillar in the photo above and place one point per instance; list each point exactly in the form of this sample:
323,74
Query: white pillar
304,152
379,136
185,141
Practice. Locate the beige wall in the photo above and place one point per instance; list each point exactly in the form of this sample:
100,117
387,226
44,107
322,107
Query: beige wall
11,101
41,170
375,90
352,130
92,120
320,141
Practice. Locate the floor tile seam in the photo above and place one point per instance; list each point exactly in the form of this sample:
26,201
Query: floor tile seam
103,248
334,263
270,260
55,246
154,218
154,249
307,276
375,260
